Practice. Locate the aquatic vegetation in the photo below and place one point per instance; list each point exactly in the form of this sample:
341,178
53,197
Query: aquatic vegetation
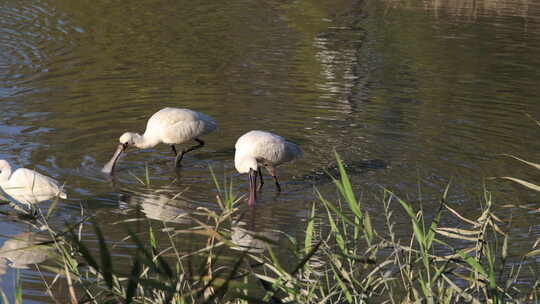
346,261
536,166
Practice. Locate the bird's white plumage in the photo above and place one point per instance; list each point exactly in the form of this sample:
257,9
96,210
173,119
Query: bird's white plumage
263,147
175,126
28,186
260,148
169,126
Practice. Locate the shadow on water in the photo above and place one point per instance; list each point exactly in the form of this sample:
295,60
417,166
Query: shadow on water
353,168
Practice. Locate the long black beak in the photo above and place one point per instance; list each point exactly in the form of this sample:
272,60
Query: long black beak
109,167
252,187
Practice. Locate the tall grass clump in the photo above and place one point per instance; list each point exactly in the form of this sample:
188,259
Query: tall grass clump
340,258
360,265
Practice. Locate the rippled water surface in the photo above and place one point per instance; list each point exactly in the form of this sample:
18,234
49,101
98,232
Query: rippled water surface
412,95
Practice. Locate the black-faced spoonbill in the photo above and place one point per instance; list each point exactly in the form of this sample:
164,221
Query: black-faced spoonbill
169,126
28,186
259,148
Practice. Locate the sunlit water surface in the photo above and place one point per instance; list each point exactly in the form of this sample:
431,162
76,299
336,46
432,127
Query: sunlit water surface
411,96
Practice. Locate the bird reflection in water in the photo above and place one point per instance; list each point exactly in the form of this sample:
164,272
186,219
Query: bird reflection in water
25,249
161,204
250,236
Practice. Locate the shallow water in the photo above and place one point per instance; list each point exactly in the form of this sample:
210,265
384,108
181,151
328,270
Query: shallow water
411,95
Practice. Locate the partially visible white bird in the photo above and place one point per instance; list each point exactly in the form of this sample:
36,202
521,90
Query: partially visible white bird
169,126
259,148
28,186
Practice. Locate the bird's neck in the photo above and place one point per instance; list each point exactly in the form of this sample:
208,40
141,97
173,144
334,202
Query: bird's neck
5,173
145,141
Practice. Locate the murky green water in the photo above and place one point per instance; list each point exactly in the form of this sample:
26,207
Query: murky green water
412,95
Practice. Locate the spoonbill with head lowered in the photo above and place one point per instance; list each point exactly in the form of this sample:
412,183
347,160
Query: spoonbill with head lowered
28,186
169,126
259,148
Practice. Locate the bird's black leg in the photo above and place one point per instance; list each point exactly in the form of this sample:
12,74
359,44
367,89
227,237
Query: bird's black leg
181,155
262,180
174,150
277,183
272,172
34,210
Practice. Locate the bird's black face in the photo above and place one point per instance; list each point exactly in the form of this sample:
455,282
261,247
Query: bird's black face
252,187
109,167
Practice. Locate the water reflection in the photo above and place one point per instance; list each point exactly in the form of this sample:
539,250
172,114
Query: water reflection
250,234
159,204
471,10
25,249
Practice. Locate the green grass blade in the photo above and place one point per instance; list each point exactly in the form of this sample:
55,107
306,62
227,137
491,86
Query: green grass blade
52,208
83,250
161,261
306,258
18,288
333,207
368,228
153,243
106,263
147,174
342,285
146,256
345,187
433,229
337,233
214,178
473,263
310,230
418,231
133,281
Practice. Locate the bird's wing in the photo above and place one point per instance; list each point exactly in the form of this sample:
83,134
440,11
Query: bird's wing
179,125
270,148
292,151
33,182
185,130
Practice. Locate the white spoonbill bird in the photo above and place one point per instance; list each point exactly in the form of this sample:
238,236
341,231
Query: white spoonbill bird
28,186
259,148
169,126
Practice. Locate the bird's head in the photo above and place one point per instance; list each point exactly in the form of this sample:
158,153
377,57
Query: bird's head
127,139
3,165
245,164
